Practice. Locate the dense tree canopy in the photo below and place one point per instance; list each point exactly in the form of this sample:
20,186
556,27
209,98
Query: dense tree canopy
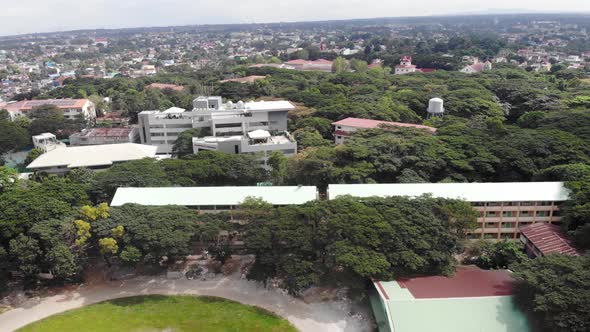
351,239
555,291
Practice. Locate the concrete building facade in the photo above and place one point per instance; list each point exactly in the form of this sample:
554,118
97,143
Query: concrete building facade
503,207
221,123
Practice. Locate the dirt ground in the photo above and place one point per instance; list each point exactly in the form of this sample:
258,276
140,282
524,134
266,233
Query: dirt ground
316,313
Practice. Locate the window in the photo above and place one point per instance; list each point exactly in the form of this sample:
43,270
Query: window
494,204
526,213
236,149
188,125
544,203
339,137
479,204
557,213
228,125
491,214
491,225
507,225
542,213
508,214
512,204
489,236
527,204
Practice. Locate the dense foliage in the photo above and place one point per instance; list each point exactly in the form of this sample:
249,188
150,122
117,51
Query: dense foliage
555,291
351,240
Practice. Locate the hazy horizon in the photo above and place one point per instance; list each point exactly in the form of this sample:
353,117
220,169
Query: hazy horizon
36,16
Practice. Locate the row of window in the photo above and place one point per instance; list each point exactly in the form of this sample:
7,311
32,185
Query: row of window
514,214
540,203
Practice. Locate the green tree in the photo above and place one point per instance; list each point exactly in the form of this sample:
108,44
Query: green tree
32,155
25,253
12,137
555,291
339,65
184,143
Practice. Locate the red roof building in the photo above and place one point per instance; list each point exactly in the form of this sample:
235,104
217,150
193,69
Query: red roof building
406,67
468,281
542,239
71,108
345,127
99,136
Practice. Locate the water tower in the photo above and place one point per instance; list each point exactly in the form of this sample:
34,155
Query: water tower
435,107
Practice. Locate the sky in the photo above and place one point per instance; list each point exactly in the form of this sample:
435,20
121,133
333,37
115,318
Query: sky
27,16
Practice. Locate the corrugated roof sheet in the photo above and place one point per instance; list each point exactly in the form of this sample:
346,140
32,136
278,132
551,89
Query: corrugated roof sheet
471,192
370,124
93,155
549,239
206,196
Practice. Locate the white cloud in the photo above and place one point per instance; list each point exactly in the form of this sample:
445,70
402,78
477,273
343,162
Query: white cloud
23,16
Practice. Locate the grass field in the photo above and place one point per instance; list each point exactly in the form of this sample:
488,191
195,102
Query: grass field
164,313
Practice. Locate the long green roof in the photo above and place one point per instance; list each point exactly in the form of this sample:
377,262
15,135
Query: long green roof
465,314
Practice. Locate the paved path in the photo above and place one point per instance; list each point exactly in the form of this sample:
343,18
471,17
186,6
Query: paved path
321,317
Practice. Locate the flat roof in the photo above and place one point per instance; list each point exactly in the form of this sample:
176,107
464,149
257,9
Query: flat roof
207,196
371,124
471,300
471,192
93,155
549,239
105,132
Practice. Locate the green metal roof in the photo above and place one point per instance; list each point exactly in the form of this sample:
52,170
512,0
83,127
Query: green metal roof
473,314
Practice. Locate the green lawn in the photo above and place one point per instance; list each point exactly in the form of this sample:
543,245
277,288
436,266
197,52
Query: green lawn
159,313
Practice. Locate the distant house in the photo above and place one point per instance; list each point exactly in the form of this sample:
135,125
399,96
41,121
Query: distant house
247,79
315,65
542,239
113,119
343,129
163,86
406,67
71,108
98,136
62,160
101,41
477,67
471,300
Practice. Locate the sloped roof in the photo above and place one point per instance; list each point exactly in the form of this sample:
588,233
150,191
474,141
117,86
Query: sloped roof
26,105
549,239
207,196
369,124
93,155
471,192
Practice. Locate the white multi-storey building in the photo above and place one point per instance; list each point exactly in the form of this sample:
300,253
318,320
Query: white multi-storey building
229,127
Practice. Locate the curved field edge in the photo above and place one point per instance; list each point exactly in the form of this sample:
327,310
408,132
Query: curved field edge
163,312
